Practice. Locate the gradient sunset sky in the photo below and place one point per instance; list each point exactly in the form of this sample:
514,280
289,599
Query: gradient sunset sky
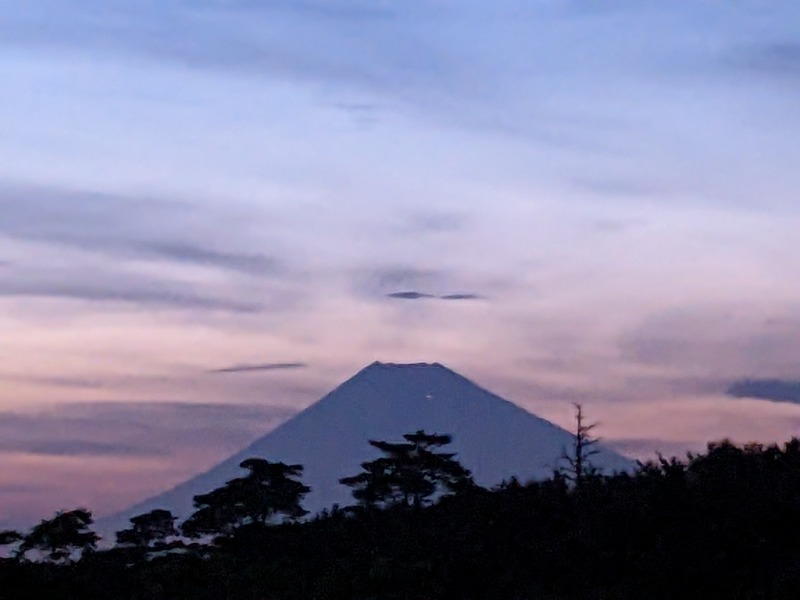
213,212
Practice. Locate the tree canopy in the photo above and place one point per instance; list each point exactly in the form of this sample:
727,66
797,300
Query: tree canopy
61,538
409,473
149,529
720,524
269,490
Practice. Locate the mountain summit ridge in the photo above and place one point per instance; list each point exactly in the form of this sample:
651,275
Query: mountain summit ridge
492,437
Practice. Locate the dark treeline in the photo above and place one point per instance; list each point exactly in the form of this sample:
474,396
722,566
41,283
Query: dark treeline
721,524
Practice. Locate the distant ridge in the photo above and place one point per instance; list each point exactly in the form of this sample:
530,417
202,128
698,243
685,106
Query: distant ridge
493,437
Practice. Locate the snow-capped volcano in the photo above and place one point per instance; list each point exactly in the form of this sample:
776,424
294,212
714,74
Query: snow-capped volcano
494,438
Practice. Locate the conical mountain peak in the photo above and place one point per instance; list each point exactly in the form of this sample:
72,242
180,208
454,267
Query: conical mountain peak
378,366
492,437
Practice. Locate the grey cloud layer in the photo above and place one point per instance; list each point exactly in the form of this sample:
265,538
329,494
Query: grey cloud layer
775,390
257,37
132,429
777,58
528,78
119,231
712,348
127,227
131,290
411,51
255,264
715,336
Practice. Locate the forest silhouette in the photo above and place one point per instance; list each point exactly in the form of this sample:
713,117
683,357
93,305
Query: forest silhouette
724,523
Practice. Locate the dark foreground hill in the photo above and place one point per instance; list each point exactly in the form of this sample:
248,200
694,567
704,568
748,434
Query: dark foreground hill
722,525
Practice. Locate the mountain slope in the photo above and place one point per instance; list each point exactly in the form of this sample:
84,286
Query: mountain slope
493,437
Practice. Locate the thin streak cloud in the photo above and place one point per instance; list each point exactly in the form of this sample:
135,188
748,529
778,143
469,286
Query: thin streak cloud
409,295
461,297
287,366
148,293
414,295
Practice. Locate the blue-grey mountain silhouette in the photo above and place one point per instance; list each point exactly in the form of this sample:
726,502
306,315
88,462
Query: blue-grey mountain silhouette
494,438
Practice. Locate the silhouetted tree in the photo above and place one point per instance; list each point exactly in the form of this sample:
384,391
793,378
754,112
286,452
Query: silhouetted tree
149,529
8,538
583,448
409,473
269,490
62,537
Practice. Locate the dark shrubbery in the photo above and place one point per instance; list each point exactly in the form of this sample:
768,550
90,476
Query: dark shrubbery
723,524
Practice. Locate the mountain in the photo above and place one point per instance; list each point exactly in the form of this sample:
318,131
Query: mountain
493,437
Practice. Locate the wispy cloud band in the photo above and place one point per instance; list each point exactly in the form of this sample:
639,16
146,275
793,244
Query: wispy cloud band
251,368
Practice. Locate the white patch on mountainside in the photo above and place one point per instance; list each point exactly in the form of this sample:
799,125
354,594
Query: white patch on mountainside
494,438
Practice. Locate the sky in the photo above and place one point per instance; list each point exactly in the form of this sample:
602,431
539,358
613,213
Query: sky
214,211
